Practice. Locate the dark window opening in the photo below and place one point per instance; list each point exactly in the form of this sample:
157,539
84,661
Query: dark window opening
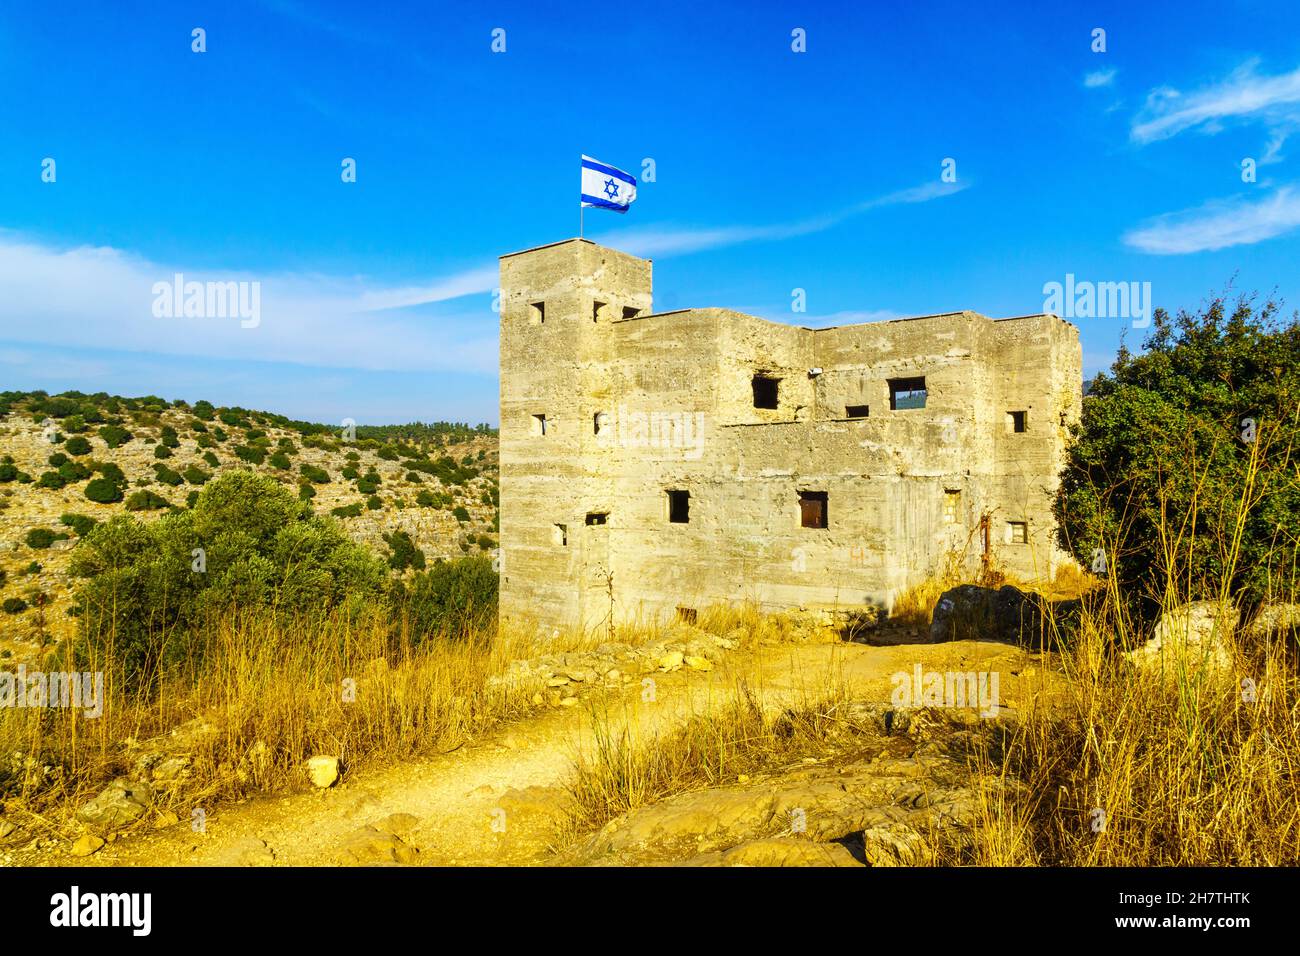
1017,532
1017,421
630,313
597,517
595,310
905,393
679,507
599,422
540,424
765,391
561,535
812,509
537,312
857,411
687,615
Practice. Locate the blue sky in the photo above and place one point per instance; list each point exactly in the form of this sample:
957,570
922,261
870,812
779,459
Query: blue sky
775,171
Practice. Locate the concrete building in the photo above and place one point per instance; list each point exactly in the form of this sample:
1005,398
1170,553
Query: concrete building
654,464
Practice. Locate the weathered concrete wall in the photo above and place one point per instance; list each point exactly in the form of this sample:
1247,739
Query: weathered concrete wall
641,405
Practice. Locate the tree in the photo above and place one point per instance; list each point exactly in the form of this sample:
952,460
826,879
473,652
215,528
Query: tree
1183,467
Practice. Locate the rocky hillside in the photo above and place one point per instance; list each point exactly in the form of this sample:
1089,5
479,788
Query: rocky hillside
71,460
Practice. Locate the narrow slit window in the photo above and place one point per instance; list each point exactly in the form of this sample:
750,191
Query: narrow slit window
812,509
1017,532
766,391
537,312
630,313
857,411
560,535
1017,421
597,518
595,310
599,422
905,393
951,505
679,507
541,425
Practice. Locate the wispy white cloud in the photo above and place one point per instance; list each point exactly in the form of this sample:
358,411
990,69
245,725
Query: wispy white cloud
99,297
1245,95
1100,78
672,240
1219,224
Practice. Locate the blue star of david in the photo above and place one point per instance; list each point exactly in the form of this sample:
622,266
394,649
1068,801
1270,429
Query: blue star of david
611,188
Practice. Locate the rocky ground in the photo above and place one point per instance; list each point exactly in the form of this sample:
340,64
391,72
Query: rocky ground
903,792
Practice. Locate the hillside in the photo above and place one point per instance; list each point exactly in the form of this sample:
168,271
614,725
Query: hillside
71,459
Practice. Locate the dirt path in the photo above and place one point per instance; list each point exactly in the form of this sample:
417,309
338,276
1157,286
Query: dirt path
495,801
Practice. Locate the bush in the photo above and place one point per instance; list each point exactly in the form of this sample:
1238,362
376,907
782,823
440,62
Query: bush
314,474
1184,451
167,475
80,524
374,502
162,451
403,551
76,445
146,501
8,472
104,491
14,605
203,410
280,460
461,514
51,479
41,538
306,492
212,460
115,435
368,484
196,475
452,598
347,511
264,550
250,454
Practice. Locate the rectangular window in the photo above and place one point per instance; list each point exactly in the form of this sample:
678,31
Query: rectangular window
560,534
905,393
599,422
595,310
597,517
1017,532
857,411
679,507
540,425
812,509
537,312
630,313
766,391
1017,421
951,505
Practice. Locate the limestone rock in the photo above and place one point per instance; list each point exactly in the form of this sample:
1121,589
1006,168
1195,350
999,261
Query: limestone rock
86,845
323,770
671,661
1196,636
121,803
699,663
369,846
786,851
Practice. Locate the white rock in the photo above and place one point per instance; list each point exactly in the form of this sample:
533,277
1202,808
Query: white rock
323,770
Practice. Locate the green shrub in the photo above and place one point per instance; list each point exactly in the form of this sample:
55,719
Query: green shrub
403,551
167,436
461,514
306,492
74,423
347,511
263,550
205,441
452,598
162,451
314,474
212,460
203,410
76,445
8,472
368,484
42,538
14,605
250,454
196,475
73,471
114,435
167,475
51,479
105,491
80,524
374,502
146,501
350,472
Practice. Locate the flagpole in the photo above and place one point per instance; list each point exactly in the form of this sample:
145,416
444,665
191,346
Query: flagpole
580,208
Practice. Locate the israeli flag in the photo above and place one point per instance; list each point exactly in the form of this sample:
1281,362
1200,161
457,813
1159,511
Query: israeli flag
606,187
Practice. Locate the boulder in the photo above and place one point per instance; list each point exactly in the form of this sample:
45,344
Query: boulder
970,612
323,770
1274,619
86,845
1196,636
121,803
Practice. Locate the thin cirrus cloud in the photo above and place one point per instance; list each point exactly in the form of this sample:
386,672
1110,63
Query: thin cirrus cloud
1098,78
667,240
1245,95
1219,224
